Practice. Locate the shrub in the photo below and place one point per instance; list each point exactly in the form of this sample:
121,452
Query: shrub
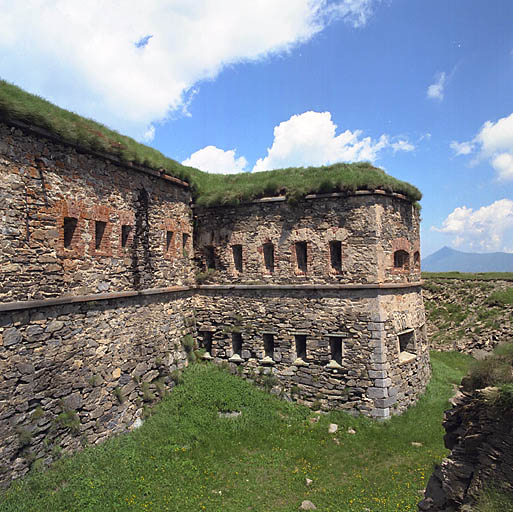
37,414
148,395
176,376
501,297
160,385
188,343
206,276
495,370
24,436
118,394
316,406
269,381
70,420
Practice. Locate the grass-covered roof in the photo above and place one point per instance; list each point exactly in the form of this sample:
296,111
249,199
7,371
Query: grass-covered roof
208,189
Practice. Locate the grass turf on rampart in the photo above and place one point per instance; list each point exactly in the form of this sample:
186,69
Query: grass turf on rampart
187,458
18,106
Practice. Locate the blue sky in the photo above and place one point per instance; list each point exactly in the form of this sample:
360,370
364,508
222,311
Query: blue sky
422,89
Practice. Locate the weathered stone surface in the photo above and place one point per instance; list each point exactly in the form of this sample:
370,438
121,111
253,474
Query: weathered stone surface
74,224
479,437
11,336
473,335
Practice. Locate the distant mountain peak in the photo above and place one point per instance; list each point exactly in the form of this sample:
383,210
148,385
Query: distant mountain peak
447,259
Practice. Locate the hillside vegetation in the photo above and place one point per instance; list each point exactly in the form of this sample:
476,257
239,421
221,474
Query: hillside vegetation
18,106
188,458
468,311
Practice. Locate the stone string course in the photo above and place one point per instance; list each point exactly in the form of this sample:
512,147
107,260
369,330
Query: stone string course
75,370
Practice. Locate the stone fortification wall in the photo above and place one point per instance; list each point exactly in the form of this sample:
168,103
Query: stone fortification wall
405,354
98,289
75,374
366,376
75,224
341,239
397,231
479,437
340,302
95,259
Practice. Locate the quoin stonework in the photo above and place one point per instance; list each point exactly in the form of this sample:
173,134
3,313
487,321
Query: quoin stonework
106,268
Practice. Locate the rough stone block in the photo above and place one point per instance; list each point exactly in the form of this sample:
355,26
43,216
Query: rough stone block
378,374
385,402
383,383
380,413
377,393
392,391
378,358
11,336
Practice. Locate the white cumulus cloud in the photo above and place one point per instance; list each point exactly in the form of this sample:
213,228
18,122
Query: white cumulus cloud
436,90
462,148
215,160
494,142
310,139
130,63
490,228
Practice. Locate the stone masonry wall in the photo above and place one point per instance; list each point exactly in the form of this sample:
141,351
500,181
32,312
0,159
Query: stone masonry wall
369,377
42,183
370,227
75,374
107,256
104,252
461,316
409,370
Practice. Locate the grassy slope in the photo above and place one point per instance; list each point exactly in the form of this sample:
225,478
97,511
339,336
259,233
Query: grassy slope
185,458
208,189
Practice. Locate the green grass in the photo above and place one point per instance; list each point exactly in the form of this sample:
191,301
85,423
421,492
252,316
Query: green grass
479,276
494,500
186,458
17,105
501,297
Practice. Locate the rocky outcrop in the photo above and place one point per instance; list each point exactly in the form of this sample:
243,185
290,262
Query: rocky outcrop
461,316
480,438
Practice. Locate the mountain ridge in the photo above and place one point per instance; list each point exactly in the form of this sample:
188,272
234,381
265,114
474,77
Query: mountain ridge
447,259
